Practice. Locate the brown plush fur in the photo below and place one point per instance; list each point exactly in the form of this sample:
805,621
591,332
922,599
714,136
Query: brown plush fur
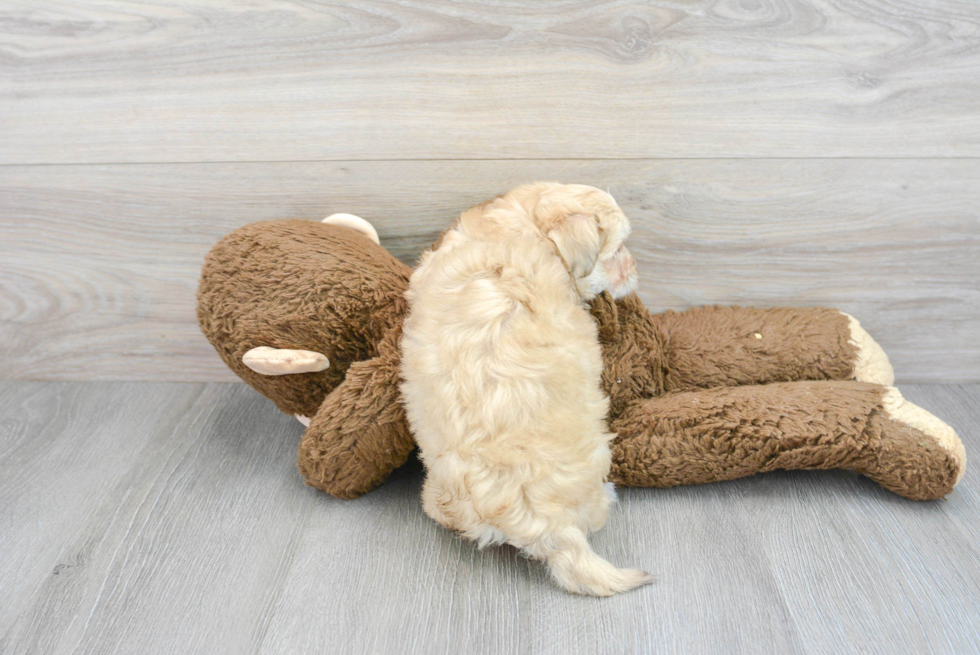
724,433
698,396
297,284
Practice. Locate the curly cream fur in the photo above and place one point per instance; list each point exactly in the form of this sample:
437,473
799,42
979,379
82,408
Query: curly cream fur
502,366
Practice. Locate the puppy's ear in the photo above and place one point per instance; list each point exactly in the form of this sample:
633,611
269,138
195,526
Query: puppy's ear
577,238
560,216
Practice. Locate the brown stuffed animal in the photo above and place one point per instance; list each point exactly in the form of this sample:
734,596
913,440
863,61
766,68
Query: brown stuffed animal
310,315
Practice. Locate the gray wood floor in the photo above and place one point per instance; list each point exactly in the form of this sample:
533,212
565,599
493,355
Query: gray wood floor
169,517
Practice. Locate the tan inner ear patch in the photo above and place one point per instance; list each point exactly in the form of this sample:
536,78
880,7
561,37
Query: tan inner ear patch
284,361
355,223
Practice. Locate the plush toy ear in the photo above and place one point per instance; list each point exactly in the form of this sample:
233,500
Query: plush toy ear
577,238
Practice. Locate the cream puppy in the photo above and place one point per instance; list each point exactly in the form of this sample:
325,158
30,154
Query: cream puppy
501,367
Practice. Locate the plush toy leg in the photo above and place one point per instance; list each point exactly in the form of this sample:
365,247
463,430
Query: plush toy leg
870,362
722,346
360,433
918,449
725,433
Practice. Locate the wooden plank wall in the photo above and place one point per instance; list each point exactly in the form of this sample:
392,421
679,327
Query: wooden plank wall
811,152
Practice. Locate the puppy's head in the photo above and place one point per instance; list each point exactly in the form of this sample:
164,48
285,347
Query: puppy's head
589,230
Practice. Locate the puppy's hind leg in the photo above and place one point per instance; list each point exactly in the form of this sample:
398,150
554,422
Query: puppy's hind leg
575,566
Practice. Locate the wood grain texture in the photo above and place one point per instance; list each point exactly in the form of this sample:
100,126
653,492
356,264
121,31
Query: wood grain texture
274,80
100,263
140,526
148,517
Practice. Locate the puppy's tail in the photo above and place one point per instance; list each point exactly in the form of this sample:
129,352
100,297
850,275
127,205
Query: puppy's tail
578,569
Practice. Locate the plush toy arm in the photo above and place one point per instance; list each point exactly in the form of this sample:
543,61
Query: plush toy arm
360,434
719,346
694,437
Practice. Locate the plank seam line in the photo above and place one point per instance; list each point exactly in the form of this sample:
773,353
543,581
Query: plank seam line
486,159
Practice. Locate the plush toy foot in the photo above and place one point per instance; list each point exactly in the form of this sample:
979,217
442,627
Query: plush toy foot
355,223
872,363
919,456
284,361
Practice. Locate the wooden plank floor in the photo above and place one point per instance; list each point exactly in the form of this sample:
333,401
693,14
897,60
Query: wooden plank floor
166,517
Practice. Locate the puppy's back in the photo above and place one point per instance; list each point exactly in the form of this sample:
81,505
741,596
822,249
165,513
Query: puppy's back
497,347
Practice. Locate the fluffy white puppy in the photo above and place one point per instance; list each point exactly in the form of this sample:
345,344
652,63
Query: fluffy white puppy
501,367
